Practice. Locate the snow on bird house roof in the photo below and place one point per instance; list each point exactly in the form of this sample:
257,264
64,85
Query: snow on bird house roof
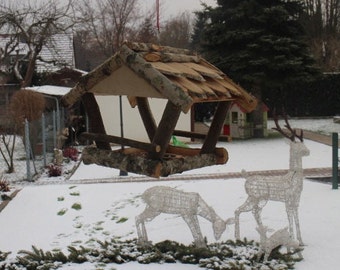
149,70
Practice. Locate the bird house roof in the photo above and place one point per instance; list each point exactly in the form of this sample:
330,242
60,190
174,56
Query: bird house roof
149,70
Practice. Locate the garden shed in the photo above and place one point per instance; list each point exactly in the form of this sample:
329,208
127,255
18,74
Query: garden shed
239,123
142,71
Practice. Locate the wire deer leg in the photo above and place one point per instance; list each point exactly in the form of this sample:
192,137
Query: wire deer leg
195,229
245,207
297,224
257,215
293,218
147,215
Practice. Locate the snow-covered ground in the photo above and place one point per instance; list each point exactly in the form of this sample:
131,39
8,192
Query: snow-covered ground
42,215
322,125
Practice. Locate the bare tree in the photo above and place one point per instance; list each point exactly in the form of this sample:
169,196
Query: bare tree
7,142
176,31
322,25
147,31
109,21
32,24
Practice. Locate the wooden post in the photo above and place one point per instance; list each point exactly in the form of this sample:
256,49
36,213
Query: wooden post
165,129
147,117
95,118
215,128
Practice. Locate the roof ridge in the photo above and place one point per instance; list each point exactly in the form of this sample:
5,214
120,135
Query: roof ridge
152,47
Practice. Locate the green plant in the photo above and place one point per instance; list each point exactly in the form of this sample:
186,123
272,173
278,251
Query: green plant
3,255
122,220
62,212
236,255
77,255
38,259
76,206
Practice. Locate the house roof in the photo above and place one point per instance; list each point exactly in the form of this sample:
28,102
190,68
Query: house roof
149,70
57,52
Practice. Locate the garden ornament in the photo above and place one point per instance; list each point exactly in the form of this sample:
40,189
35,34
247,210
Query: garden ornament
188,205
279,238
286,188
58,157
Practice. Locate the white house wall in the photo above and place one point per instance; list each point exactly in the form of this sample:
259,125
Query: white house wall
133,125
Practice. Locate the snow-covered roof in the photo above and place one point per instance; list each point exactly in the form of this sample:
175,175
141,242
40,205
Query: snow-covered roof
51,90
58,51
60,48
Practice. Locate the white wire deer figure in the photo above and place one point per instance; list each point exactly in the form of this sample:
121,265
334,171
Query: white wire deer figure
188,205
286,188
279,238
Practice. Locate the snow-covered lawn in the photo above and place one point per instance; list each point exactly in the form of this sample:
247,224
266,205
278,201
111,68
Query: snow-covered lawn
43,215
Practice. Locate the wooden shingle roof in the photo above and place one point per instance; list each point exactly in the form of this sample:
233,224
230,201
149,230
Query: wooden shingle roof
149,70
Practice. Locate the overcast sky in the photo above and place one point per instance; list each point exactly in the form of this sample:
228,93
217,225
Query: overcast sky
170,8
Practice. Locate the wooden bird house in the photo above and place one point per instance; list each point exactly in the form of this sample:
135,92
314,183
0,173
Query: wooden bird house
141,71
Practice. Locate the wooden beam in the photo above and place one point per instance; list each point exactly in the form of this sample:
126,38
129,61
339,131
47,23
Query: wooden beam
165,129
215,128
123,141
147,117
96,123
196,135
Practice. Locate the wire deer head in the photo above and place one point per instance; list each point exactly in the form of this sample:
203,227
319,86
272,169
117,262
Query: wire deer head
291,133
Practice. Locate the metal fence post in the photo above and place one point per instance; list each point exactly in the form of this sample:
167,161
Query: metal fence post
335,181
54,131
28,151
43,137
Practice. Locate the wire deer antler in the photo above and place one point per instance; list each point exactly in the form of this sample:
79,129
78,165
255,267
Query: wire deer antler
293,132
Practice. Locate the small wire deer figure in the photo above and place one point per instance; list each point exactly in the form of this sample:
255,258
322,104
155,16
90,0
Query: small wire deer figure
279,238
188,205
286,188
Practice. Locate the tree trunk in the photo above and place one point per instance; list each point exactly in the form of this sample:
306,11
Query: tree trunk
30,70
257,114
